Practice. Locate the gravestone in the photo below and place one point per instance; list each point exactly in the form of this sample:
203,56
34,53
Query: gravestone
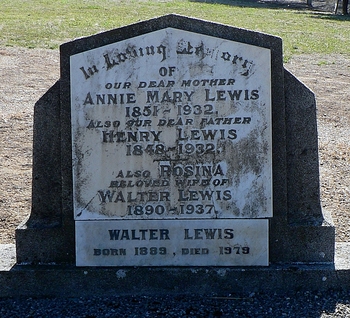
175,142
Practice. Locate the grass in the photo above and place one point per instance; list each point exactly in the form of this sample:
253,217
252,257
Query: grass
47,23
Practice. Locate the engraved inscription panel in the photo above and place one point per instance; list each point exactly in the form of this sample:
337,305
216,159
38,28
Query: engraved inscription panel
173,125
173,242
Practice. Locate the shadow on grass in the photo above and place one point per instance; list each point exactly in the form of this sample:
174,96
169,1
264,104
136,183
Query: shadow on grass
301,5
320,9
334,17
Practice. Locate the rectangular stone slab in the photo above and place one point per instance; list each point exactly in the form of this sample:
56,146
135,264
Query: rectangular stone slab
172,243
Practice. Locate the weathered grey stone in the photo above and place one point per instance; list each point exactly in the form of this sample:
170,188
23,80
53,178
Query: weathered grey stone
47,236
299,230
302,154
305,231
46,185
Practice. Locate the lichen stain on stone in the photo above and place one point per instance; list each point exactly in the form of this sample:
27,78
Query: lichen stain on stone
256,201
121,274
221,272
198,68
246,157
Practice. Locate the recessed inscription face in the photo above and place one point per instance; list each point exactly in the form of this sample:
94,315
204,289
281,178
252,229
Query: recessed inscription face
172,125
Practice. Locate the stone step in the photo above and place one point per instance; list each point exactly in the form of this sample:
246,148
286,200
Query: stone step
70,281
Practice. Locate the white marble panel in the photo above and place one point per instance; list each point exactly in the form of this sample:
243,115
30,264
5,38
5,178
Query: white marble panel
172,125
172,243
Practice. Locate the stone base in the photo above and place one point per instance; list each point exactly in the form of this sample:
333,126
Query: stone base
288,244
71,281
44,245
302,244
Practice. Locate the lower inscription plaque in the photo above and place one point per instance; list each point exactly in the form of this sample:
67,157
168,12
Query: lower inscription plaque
172,243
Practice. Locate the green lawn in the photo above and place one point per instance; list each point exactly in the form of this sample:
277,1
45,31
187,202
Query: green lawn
47,24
